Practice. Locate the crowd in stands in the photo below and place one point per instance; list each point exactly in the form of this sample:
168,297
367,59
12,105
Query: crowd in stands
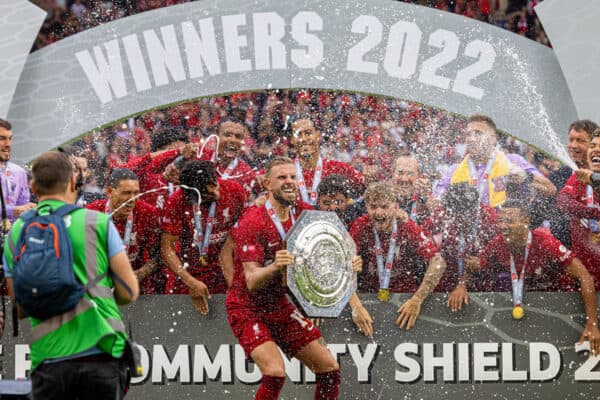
368,132
68,17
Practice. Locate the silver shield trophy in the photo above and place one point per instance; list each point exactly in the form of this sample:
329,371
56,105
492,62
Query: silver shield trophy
321,277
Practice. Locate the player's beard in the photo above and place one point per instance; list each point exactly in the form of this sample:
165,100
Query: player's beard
284,199
4,156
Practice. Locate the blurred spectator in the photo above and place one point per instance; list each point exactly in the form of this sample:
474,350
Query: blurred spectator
516,15
13,178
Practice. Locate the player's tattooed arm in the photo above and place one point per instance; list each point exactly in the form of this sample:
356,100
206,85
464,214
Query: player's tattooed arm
410,310
432,277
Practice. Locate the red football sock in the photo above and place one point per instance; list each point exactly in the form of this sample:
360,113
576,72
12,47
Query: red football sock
327,385
270,387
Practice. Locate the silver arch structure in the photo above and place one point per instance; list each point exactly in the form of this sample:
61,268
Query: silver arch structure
210,47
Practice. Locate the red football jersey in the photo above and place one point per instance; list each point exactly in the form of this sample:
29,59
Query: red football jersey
178,221
584,248
336,167
152,178
242,173
257,240
412,242
144,243
450,245
545,269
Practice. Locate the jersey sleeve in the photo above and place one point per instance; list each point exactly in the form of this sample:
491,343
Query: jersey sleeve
489,252
248,247
556,250
417,236
171,221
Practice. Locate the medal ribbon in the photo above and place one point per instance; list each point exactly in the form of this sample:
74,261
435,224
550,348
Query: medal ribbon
385,271
413,209
229,170
589,202
518,282
312,199
276,220
8,181
128,226
481,184
202,239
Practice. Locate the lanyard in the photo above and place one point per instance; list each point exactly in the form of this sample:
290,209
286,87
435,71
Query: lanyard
230,168
9,181
589,202
385,271
518,281
481,184
276,220
202,239
128,226
171,188
312,200
413,209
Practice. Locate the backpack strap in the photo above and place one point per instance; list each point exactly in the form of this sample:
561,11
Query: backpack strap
28,215
65,209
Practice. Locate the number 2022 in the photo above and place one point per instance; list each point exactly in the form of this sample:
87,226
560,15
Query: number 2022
586,372
402,53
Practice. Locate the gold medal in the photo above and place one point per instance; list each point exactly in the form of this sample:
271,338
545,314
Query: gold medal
203,260
594,238
384,295
518,312
6,225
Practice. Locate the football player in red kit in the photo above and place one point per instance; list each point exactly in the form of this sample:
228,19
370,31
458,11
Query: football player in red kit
260,315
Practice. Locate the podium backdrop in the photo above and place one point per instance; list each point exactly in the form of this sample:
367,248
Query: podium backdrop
480,352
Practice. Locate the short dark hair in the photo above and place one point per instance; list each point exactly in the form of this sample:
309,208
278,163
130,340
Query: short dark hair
292,119
51,172
197,174
461,198
584,125
233,119
166,137
484,119
334,184
121,174
5,124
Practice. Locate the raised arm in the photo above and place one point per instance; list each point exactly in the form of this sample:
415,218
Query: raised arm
198,290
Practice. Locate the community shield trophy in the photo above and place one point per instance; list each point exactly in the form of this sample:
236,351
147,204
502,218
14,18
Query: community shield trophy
321,277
